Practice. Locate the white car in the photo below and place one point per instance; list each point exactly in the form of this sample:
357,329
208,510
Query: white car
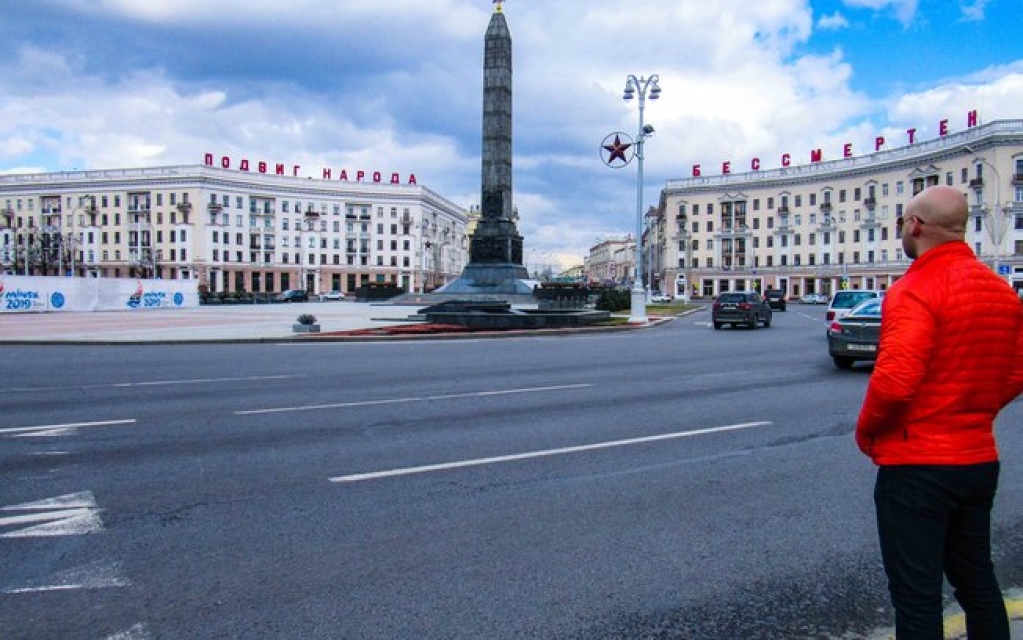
332,295
660,297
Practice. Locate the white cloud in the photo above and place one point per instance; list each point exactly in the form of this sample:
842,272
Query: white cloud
904,10
974,11
833,22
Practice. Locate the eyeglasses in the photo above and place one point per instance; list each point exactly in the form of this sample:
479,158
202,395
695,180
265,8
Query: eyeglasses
900,221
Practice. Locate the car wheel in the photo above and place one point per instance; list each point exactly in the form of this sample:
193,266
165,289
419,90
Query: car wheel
843,362
717,325
767,321
754,322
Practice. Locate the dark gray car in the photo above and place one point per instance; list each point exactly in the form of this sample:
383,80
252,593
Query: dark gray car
740,307
856,336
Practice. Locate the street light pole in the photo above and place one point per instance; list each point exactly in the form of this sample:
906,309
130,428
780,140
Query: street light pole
642,86
998,216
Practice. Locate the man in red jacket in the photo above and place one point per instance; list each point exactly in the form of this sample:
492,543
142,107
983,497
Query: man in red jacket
950,358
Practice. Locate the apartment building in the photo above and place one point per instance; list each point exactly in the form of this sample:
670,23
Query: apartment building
230,230
828,225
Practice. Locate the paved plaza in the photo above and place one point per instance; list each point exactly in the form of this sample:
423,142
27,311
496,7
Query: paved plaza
213,323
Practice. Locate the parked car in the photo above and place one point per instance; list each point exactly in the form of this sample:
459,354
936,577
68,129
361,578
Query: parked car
332,295
740,307
813,298
661,298
844,301
775,299
856,336
293,295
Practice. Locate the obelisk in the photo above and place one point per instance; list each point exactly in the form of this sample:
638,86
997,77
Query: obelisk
495,253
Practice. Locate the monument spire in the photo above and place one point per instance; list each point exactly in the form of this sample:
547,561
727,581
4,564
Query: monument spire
495,253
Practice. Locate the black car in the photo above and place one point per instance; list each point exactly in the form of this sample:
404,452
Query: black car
293,295
740,307
775,299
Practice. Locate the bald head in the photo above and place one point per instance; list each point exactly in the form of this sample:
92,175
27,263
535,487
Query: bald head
933,217
941,206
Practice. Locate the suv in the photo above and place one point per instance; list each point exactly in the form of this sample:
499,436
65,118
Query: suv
740,307
775,299
843,302
293,295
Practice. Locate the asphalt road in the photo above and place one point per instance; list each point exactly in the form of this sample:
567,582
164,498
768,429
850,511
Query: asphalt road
674,482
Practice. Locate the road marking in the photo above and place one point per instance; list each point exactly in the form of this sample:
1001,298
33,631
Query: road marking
57,429
156,383
451,396
98,575
73,514
137,632
541,454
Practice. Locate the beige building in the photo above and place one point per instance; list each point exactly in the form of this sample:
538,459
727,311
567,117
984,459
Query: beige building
611,261
820,227
230,230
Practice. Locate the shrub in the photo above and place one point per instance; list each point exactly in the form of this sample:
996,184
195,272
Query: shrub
307,318
614,300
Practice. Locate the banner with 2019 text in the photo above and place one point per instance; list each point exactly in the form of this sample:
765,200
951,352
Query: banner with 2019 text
21,294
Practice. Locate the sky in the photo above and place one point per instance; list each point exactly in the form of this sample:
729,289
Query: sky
396,86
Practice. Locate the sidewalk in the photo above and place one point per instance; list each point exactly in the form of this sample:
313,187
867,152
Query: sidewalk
214,323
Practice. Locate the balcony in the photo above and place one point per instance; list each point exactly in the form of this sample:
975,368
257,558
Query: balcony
977,183
1017,178
826,206
783,209
185,207
870,203
212,207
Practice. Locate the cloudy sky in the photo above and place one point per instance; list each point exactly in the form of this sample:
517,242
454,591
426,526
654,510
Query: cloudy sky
396,86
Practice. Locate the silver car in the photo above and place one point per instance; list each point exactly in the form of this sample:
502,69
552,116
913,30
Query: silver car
856,336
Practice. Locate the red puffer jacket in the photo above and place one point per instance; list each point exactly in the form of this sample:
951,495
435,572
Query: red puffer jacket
951,357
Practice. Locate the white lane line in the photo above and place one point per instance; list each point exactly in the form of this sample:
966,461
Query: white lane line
155,383
358,477
61,428
451,396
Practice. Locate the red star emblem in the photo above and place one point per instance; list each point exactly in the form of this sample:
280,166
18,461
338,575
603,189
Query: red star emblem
616,150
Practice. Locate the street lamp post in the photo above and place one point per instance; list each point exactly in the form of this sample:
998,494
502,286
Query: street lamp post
642,86
73,239
998,216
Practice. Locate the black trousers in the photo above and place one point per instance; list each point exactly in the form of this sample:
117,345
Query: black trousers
935,521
